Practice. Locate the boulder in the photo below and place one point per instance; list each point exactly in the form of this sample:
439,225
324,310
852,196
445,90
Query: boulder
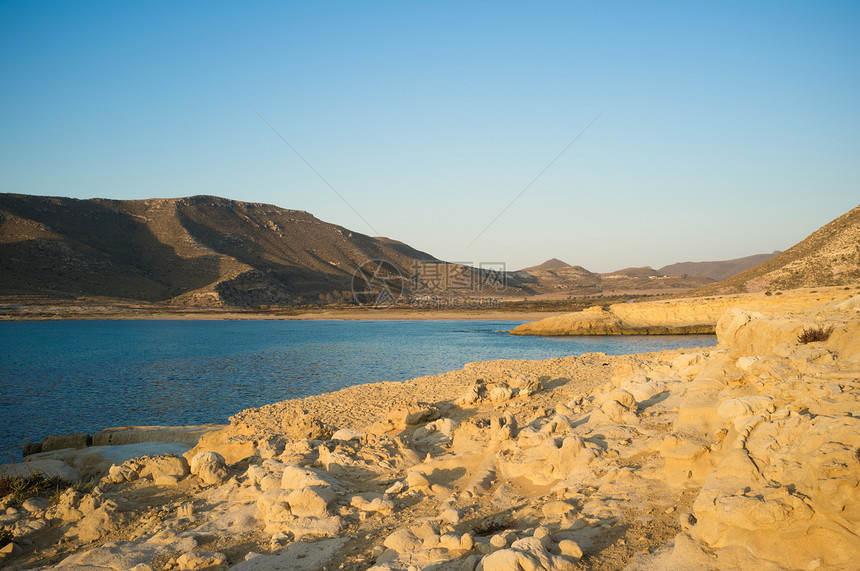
210,467
310,502
297,477
527,553
165,469
372,503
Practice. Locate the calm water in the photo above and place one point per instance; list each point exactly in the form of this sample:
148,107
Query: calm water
82,376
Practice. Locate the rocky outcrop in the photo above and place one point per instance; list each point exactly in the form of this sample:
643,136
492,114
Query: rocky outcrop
678,316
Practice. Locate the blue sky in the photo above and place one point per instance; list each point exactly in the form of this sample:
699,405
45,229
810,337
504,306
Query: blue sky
727,128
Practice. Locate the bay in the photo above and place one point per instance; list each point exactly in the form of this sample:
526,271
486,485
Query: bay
82,376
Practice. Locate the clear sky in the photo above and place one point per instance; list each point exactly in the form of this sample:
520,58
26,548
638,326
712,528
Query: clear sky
727,128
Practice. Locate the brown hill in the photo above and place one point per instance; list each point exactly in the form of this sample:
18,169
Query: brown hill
576,281
200,250
830,256
644,272
551,264
716,270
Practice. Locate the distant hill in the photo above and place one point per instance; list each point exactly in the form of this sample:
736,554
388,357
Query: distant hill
644,272
551,264
578,281
200,250
830,256
718,270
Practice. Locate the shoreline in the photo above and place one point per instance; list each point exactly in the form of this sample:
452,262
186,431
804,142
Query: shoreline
719,457
325,315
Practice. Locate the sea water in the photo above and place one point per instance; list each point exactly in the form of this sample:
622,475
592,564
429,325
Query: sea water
62,377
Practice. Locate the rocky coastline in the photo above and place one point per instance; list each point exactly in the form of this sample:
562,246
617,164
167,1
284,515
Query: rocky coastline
744,455
681,316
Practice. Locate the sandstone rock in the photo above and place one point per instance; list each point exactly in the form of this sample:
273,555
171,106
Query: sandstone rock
451,515
128,471
747,363
623,398
165,469
235,443
501,394
311,501
306,426
210,467
417,480
36,504
528,553
686,360
202,561
438,430
557,510
372,503
273,506
552,460
402,540
346,434
26,526
412,414
744,406
545,536
471,396
644,390
570,548
396,488
66,508
104,520
297,477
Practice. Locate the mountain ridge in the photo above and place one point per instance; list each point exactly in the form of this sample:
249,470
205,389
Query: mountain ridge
717,269
830,256
198,250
